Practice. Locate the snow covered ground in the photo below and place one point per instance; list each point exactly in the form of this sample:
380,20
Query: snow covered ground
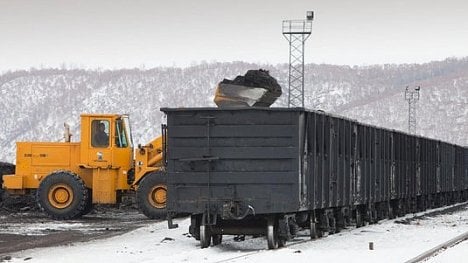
394,241
458,253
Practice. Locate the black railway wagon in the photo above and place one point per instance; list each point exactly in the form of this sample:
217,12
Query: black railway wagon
269,171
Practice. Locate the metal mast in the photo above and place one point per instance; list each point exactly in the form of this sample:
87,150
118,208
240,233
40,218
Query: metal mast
412,96
297,32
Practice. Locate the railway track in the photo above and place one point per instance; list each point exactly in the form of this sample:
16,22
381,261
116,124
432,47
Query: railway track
439,248
304,238
299,240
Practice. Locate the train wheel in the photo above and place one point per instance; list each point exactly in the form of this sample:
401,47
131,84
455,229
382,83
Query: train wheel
217,239
62,195
332,225
324,225
322,233
151,195
205,234
313,228
390,212
359,221
281,242
272,233
194,228
373,215
340,220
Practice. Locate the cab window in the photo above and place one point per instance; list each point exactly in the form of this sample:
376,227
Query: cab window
121,138
100,133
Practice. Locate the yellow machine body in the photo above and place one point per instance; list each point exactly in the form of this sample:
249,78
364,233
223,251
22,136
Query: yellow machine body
149,158
103,168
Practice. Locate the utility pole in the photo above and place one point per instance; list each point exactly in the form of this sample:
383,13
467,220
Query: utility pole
297,32
412,96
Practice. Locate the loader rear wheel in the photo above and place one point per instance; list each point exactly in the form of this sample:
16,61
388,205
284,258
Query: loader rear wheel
62,195
151,195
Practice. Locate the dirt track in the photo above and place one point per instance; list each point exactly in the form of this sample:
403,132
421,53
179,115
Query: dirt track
25,230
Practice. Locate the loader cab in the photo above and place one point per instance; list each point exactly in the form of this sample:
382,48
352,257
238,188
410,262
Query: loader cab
106,141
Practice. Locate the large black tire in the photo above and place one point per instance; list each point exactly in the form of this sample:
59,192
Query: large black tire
5,168
62,195
151,195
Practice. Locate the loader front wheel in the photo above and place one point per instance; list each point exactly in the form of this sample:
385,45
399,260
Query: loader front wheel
62,195
151,195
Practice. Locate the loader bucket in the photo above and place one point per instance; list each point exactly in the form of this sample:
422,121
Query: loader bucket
255,89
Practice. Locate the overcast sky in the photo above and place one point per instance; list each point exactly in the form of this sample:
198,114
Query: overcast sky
119,34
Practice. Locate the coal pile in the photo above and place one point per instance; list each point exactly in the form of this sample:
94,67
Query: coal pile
18,203
255,89
5,168
9,204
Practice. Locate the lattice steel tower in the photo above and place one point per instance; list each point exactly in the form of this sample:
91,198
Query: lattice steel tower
412,96
297,32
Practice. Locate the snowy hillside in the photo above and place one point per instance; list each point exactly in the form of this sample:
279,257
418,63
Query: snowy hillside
35,104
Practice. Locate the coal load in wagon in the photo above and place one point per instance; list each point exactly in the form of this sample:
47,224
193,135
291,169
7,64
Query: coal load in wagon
255,89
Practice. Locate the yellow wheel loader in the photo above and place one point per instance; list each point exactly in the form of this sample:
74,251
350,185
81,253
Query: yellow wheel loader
69,177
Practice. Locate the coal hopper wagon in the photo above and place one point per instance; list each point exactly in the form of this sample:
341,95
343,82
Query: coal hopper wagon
271,171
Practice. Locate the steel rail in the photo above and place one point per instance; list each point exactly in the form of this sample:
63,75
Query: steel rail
436,250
